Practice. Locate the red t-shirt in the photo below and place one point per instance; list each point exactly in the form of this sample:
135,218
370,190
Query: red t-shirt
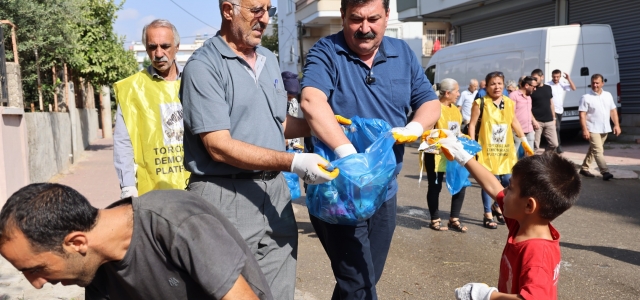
529,268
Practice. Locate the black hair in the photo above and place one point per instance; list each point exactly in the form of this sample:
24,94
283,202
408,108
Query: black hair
537,72
493,75
344,4
596,75
46,213
550,179
526,80
556,71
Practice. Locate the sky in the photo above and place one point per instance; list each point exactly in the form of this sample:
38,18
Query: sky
191,17
136,13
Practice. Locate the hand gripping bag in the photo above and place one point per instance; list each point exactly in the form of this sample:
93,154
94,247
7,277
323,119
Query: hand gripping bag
293,181
361,187
457,176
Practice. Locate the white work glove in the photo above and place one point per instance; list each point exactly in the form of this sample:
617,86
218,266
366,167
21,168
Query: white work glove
345,150
447,142
312,168
474,291
528,151
407,134
128,191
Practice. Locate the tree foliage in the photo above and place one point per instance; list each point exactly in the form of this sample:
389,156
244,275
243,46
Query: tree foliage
76,32
271,41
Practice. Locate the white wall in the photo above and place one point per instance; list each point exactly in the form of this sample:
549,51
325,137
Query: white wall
410,32
287,36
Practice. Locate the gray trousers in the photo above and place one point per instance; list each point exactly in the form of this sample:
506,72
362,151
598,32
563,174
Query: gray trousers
262,213
530,136
548,129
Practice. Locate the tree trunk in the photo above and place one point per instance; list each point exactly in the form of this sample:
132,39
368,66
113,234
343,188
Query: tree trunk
55,90
35,50
105,107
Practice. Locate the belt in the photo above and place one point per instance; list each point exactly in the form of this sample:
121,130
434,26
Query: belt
263,175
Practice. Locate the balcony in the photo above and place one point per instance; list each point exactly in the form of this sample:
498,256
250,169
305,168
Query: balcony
317,12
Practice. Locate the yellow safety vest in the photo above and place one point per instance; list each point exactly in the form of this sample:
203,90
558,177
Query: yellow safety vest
450,119
153,115
498,154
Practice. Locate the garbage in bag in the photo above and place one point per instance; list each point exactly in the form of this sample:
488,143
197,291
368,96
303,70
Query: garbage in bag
457,176
361,187
293,181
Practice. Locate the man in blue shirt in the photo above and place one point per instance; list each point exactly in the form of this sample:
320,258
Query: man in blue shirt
360,72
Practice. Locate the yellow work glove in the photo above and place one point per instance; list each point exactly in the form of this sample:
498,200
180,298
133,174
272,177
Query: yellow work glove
447,142
312,168
527,148
342,120
407,134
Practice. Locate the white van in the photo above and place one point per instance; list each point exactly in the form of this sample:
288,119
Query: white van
580,50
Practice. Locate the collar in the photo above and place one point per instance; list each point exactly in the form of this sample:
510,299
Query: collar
385,50
225,50
594,93
154,73
521,93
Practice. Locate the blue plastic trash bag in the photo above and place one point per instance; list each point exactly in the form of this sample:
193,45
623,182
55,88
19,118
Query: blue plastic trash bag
293,181
457,176
521,153
361,186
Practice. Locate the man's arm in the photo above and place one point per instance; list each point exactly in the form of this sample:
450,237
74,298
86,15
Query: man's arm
240,291
616,126
123,157
428,114
583,124
534,122
321,118
223,148
295,127
475,115
553,109
573,86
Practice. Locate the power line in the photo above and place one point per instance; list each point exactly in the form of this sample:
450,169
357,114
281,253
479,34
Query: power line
203,22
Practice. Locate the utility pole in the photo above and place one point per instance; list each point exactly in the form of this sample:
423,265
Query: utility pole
301,32
55,94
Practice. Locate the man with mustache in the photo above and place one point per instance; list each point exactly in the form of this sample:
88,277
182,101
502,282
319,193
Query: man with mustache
235,116
147,140
360,72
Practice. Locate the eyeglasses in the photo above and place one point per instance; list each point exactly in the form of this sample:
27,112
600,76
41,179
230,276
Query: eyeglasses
495,74
258,12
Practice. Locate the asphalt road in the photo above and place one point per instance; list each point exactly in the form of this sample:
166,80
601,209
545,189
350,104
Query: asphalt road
599,239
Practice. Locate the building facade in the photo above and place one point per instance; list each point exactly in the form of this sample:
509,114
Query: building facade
184,52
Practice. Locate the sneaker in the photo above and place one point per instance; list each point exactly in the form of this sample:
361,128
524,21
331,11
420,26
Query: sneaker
606,176
586,173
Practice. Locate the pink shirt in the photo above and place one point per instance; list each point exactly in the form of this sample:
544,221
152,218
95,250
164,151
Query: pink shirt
523,110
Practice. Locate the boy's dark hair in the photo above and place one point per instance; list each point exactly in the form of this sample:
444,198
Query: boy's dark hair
344,4
556,71
537,72
46,213
551,180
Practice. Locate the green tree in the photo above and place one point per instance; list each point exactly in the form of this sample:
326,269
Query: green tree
146,62
271,41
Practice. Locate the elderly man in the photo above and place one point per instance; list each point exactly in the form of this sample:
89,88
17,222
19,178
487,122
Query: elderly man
147,140
235,112
466,100
360,72
595,109
162,245
559,87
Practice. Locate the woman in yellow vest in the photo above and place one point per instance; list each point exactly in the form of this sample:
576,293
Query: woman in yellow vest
436,164
497,123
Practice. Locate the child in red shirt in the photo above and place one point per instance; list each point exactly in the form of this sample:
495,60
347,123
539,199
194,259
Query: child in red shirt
542,187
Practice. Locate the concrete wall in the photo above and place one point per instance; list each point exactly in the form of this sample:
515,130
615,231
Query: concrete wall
14,171
49,141
14,85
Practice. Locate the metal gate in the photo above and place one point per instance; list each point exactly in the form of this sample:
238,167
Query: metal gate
533,17
623,18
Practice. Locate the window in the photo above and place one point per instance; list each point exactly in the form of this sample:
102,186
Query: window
431,73
392,32
430,40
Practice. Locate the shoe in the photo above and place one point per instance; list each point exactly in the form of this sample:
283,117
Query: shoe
559,150
606,176
588,174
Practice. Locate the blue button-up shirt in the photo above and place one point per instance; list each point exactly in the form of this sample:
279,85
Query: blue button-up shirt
400,85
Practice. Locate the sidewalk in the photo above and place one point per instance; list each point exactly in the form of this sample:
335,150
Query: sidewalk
623,160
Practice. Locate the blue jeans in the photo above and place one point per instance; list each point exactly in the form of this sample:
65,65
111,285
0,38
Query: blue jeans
358,253
486,199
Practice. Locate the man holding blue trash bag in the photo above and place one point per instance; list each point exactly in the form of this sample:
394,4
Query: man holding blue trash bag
360,72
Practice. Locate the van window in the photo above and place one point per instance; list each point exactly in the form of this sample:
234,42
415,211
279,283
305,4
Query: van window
431,73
